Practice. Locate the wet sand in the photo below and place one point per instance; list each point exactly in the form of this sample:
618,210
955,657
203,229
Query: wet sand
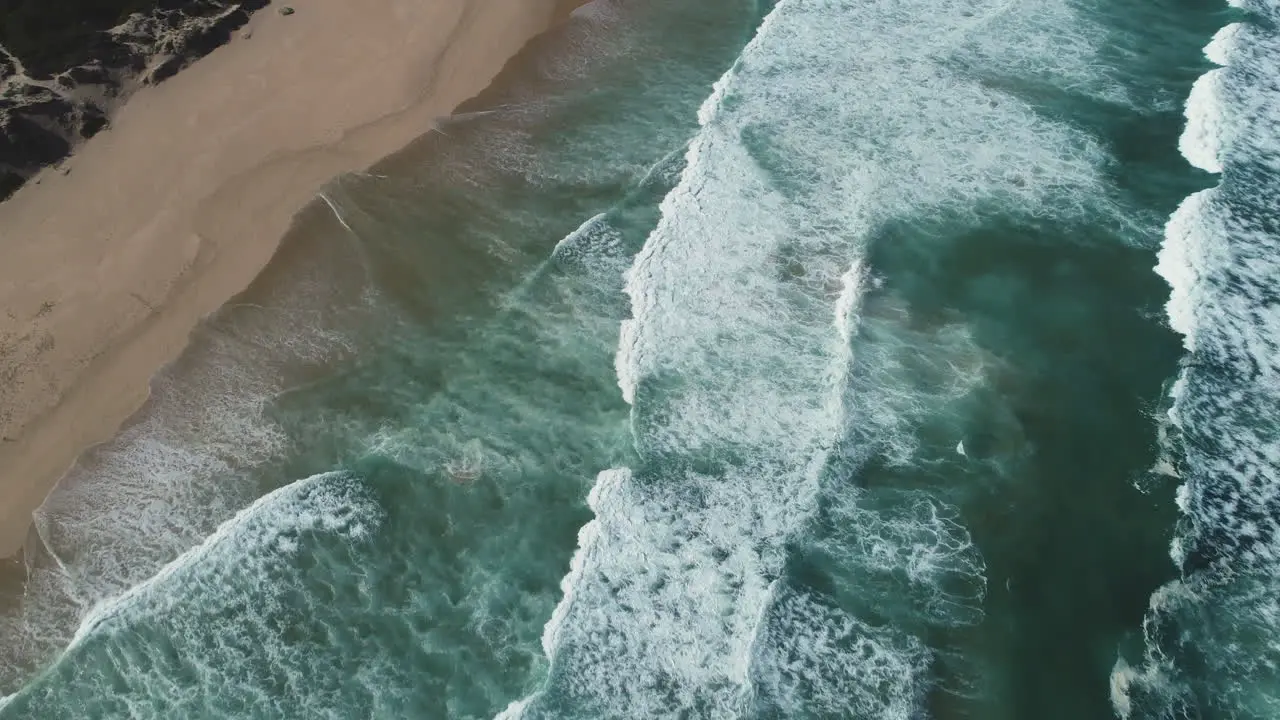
109,261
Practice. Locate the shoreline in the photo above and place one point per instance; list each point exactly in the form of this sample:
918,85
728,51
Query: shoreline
157,221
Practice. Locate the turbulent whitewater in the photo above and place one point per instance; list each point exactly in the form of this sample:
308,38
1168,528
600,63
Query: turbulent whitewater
1214,634
836,119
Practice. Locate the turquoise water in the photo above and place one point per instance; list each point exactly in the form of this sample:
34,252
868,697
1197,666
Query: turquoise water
726,359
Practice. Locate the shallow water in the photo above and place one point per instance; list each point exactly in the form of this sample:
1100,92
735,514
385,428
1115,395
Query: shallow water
726,359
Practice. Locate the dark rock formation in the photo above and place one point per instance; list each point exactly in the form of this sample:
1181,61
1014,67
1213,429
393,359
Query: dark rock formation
93,74
64,65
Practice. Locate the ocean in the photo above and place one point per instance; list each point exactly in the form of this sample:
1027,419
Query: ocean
733,359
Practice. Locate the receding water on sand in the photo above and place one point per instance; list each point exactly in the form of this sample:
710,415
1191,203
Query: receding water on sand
730,359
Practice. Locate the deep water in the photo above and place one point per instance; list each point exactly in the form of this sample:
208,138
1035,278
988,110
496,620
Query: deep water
724,360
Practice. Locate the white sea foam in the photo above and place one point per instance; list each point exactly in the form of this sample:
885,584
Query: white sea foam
912,374
1182,262
326,503
135,503
596,10
837,117
1221,256
608,482
1224,41
177,470
585,239
817,661
228,593
912,554
515,710
1201,142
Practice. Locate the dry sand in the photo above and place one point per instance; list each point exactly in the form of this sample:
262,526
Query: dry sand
174,209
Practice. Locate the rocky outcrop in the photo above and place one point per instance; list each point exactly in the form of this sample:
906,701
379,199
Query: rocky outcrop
60,79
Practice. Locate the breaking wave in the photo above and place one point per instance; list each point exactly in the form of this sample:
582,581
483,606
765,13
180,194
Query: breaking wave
837,118
1213,635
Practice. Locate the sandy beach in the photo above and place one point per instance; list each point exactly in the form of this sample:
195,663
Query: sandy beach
111,260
